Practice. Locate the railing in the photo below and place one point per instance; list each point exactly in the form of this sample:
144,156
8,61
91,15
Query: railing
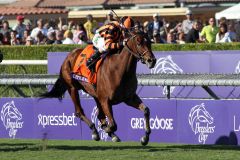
203,80
24,62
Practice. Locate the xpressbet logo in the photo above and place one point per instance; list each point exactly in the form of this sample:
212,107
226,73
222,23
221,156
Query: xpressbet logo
166,65
201,122
11,118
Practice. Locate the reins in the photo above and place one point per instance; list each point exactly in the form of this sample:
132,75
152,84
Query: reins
136,54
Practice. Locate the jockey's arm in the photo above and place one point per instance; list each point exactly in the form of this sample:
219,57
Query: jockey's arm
110,44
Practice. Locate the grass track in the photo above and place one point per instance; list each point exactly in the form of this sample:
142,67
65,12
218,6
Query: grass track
90,150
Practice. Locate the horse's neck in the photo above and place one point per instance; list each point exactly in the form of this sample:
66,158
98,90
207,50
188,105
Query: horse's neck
127,61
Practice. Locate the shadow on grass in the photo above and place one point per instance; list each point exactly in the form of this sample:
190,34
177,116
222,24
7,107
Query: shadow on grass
204,147
9,147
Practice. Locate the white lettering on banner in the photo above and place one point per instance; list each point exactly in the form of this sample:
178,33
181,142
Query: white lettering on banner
11,118
236,124
56,120
166,65
155,123
200,121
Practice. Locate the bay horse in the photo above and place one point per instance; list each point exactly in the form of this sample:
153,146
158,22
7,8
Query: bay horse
116,83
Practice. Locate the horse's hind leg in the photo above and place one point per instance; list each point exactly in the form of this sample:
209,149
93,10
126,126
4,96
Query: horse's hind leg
104,125
80,113
137,103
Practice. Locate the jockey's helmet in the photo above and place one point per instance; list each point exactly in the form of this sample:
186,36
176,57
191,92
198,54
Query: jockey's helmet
127,22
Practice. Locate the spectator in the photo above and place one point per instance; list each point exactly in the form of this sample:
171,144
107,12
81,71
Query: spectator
40,38
187,23
223,34
52,25
156,38
222,20
29,41
38,29
51,37
25,36
181,38
69,38
145,27
14,39
138,27
90,26
232,33
154,26
170,38
209,32
193,34
82,38
79,30
5,27
109,18
6,38
59,37
64,30
237,30
20,27
29,27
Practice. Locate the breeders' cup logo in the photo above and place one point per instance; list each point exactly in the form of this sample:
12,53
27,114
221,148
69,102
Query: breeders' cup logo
166,65
103,135
11,118
201,122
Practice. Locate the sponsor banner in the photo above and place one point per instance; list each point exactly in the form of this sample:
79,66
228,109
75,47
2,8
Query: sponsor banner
233,135
177,62
54,119
172,121
231,61
16,118
202,121
163,121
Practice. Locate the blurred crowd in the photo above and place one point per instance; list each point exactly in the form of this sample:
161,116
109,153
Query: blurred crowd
158,29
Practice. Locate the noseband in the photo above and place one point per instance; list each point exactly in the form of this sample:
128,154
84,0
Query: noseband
138,54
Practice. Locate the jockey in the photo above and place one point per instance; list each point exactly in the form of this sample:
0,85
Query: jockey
109,37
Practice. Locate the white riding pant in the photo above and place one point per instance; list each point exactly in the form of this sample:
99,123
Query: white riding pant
99,43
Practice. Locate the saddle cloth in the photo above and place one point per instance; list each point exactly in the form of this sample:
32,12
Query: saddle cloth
81,71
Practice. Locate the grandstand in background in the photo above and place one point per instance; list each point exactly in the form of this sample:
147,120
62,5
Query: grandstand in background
139,9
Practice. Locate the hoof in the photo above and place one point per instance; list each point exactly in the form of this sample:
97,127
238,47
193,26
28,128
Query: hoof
95,137
144,140
116,139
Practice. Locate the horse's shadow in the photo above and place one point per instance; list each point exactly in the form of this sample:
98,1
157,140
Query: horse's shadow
10,147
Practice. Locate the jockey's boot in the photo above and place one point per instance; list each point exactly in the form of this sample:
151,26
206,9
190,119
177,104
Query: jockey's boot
91,62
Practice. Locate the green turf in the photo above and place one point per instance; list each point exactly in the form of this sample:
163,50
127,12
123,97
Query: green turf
91,150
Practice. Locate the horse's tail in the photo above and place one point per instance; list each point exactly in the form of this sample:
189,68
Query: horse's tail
57,91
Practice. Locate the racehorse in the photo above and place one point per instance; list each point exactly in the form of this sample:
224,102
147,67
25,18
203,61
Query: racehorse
116,83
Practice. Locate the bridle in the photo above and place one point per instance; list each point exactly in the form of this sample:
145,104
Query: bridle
138,54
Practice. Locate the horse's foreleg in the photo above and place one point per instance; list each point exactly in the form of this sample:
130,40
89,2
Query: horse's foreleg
107,110
80,113
104,125
137,103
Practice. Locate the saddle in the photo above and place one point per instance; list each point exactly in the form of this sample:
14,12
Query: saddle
80,71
